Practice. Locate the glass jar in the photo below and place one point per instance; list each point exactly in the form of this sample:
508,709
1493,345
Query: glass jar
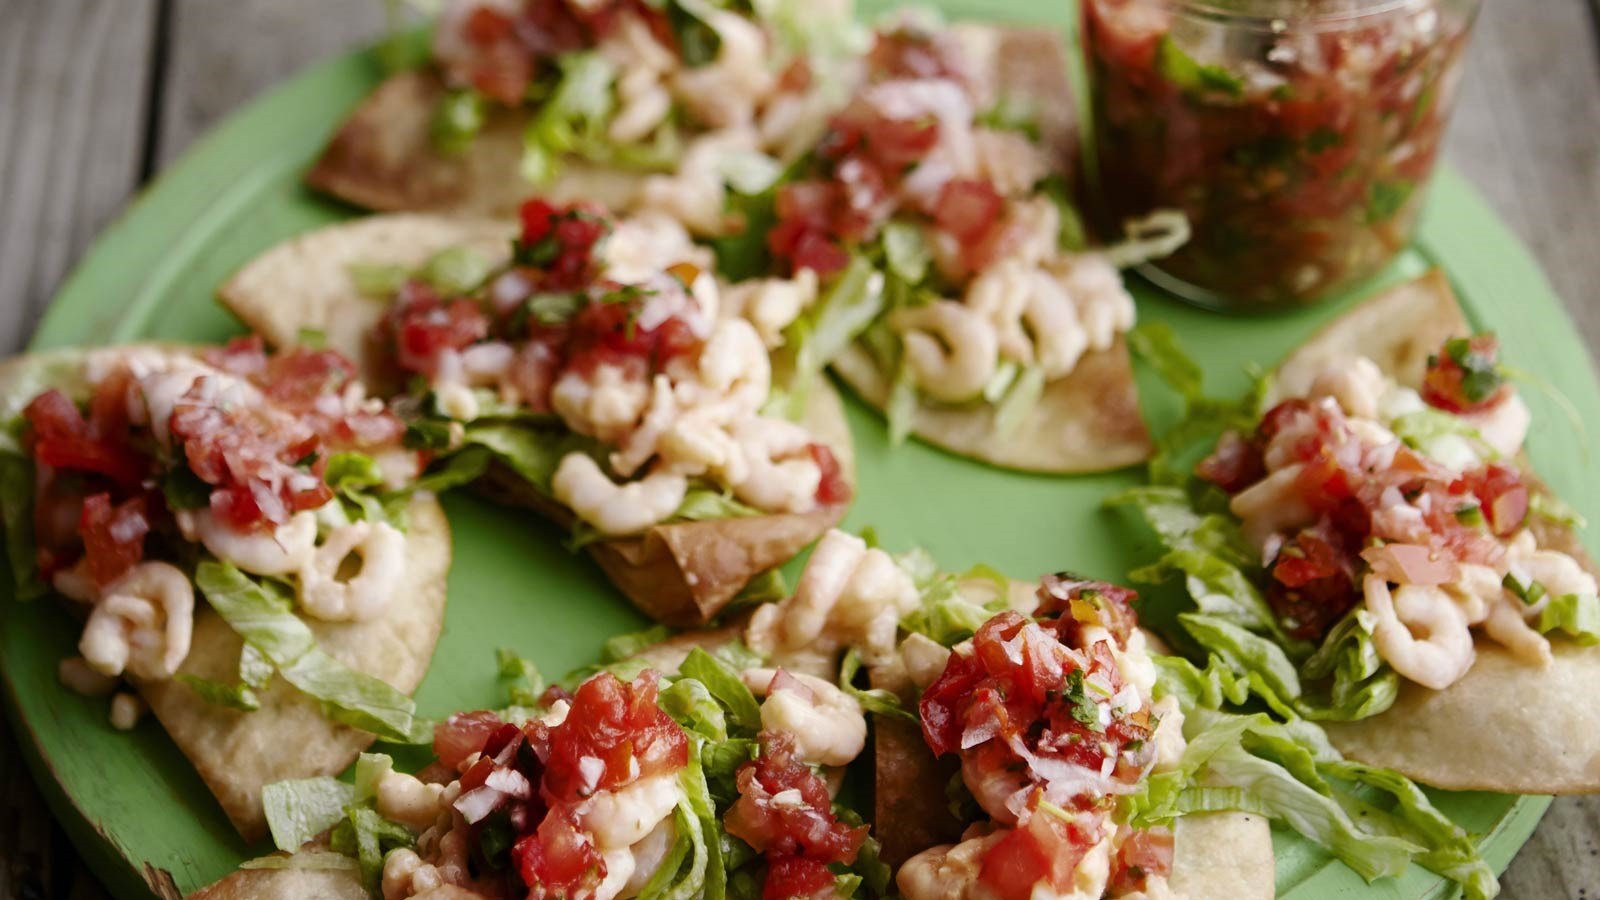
1297,135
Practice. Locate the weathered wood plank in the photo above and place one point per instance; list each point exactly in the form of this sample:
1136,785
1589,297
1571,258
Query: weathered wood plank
73,80
1527,132
73,90
223,52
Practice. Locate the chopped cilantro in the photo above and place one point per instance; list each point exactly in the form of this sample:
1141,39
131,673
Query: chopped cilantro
1385,198
1480,374
1529,593
1180,68
1084,710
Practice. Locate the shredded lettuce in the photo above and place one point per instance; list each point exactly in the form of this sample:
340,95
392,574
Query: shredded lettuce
1575,615
876,701
573,116
532,452
704,504
944,615
1553,509
906,252
457,270
1362,683
358,483
263,617
623,646
457,120
368,837
301,809
750,173
851,304
1019,401
901,409
723,683
1290,772
524,684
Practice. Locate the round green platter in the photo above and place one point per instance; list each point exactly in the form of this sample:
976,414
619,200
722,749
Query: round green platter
147,825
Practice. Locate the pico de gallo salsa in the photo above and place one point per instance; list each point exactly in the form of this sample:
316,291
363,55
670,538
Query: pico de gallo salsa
1297,144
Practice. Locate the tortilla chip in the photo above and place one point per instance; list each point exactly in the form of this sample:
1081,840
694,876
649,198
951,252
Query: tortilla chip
1506,726
1223,856
684,573
237,754
1088,421
1397,329
304,283
383,158
290,883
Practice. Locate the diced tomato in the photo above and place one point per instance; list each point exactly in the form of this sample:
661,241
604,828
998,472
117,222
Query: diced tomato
832,487
113,536
807,828
619,725
463,734
422,327
1313,582
1044,850
1501,494
799,878
968,208
1464,377
559,243
1235,464
245,356
606,332
1144,854
58,436
560,859
1075,602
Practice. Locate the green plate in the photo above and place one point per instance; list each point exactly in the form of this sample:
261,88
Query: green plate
145,822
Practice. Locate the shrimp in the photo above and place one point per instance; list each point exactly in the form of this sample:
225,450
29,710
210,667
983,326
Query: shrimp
772,304
948,871
1420,632
143,624
959,372
280,551
827,724
997,779
853,593
1272,505
727,92
1357,385
780,474
620,818
382,549
612,508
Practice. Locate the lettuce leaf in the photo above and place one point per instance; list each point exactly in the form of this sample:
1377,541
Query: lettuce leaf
1290,772
1362,684
1019,401
574,115
531,452
944,615
301,809
232,696
723,683
264,619
524,683
876,701
315,860
368,837
844,310
703,504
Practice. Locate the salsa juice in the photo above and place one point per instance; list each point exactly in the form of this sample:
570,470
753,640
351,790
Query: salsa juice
1298,146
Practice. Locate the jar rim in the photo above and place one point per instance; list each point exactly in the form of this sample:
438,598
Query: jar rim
1275,15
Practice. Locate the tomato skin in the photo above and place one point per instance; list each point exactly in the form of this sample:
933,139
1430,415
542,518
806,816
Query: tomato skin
619,724
798,878
798,839
1235,465
1044,849
1502,494
832,487
113,536
558,243
463,734
559,859
58,436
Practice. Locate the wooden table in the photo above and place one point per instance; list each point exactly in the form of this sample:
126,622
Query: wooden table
96,96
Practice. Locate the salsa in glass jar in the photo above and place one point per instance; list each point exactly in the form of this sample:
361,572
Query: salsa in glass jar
1296,135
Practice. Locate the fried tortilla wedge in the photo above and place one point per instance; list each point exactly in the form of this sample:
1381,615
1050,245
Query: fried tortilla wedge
1506,726
684,573
383,158
237,753
1088,421
1218,856
681,573
305,284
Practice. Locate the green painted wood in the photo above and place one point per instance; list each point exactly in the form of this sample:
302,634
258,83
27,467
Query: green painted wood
132,805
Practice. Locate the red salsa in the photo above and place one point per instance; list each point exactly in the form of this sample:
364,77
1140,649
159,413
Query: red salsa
1298,145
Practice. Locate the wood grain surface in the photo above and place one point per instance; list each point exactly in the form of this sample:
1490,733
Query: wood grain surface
97,95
